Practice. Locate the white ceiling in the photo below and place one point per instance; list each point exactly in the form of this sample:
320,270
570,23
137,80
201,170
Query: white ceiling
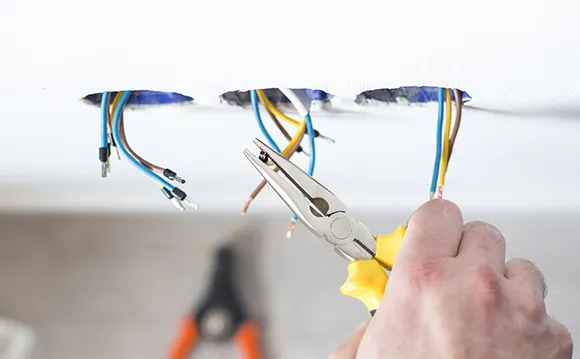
513,58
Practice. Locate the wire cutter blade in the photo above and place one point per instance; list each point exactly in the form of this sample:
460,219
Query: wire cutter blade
307,198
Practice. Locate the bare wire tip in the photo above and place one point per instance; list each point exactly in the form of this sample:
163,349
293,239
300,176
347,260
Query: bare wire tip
180,180
440,191
191,203
246,206
290,230
104,170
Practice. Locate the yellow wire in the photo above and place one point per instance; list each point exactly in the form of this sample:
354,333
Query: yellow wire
445,152
274,109
113,109
301,125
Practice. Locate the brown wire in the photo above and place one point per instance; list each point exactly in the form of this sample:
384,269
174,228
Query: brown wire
123,138
262,184
279,125
459,106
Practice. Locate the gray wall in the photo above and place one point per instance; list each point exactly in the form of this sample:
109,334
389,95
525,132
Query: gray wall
115,286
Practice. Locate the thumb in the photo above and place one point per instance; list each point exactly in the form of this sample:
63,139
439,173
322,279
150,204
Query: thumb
348,349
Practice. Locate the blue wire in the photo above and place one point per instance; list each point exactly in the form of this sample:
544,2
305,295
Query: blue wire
440,99
310,131
104,110
139,165
254,99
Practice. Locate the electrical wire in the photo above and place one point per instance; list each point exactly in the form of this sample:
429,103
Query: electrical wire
104,119
303,112
446,134
295,140
458,114
270,106
123,137
435,177
118,110
254,100
284,132
288,151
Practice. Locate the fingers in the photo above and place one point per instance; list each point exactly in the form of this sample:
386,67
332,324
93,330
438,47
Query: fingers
482,243
348,349
433,231
525,274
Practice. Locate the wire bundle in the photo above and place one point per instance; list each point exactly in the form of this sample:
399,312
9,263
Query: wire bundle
305,127
445,137
113,134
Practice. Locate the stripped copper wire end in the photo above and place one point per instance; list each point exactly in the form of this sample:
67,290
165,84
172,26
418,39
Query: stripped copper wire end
440,191
290,229
431,196
246,206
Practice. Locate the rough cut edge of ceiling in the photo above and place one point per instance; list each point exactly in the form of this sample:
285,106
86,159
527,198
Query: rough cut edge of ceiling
211,47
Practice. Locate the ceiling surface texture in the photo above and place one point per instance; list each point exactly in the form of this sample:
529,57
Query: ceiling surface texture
517,148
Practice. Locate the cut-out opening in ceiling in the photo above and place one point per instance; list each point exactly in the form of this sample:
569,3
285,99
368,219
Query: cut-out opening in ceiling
242,98
404,95
143,98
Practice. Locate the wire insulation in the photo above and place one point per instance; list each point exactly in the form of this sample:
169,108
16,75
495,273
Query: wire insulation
288,151
309,128
254,99
116,121
457,124
270,106
446,134
104,117
435,177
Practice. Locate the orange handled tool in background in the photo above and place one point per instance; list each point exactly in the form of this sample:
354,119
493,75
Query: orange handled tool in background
220,316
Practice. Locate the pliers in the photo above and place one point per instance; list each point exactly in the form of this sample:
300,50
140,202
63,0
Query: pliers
327,217
220,316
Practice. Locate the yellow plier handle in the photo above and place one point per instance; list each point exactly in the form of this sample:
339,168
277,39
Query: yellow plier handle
367,279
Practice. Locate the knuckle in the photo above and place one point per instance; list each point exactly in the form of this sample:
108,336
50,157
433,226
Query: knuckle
486,230
534,274
533,308
487,284
424,273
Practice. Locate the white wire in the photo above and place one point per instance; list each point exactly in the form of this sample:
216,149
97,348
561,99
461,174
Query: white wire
302,111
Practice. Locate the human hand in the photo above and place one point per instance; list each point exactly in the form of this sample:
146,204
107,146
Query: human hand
452,295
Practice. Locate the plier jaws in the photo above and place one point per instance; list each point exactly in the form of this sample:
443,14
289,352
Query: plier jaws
322,212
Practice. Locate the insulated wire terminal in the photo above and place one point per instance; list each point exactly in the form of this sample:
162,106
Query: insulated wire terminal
104,158
173,176
176,203
321,136
182,196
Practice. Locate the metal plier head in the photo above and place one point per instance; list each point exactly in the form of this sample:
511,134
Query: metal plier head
317,207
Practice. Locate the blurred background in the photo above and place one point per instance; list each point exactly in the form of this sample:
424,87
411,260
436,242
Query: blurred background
116,286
